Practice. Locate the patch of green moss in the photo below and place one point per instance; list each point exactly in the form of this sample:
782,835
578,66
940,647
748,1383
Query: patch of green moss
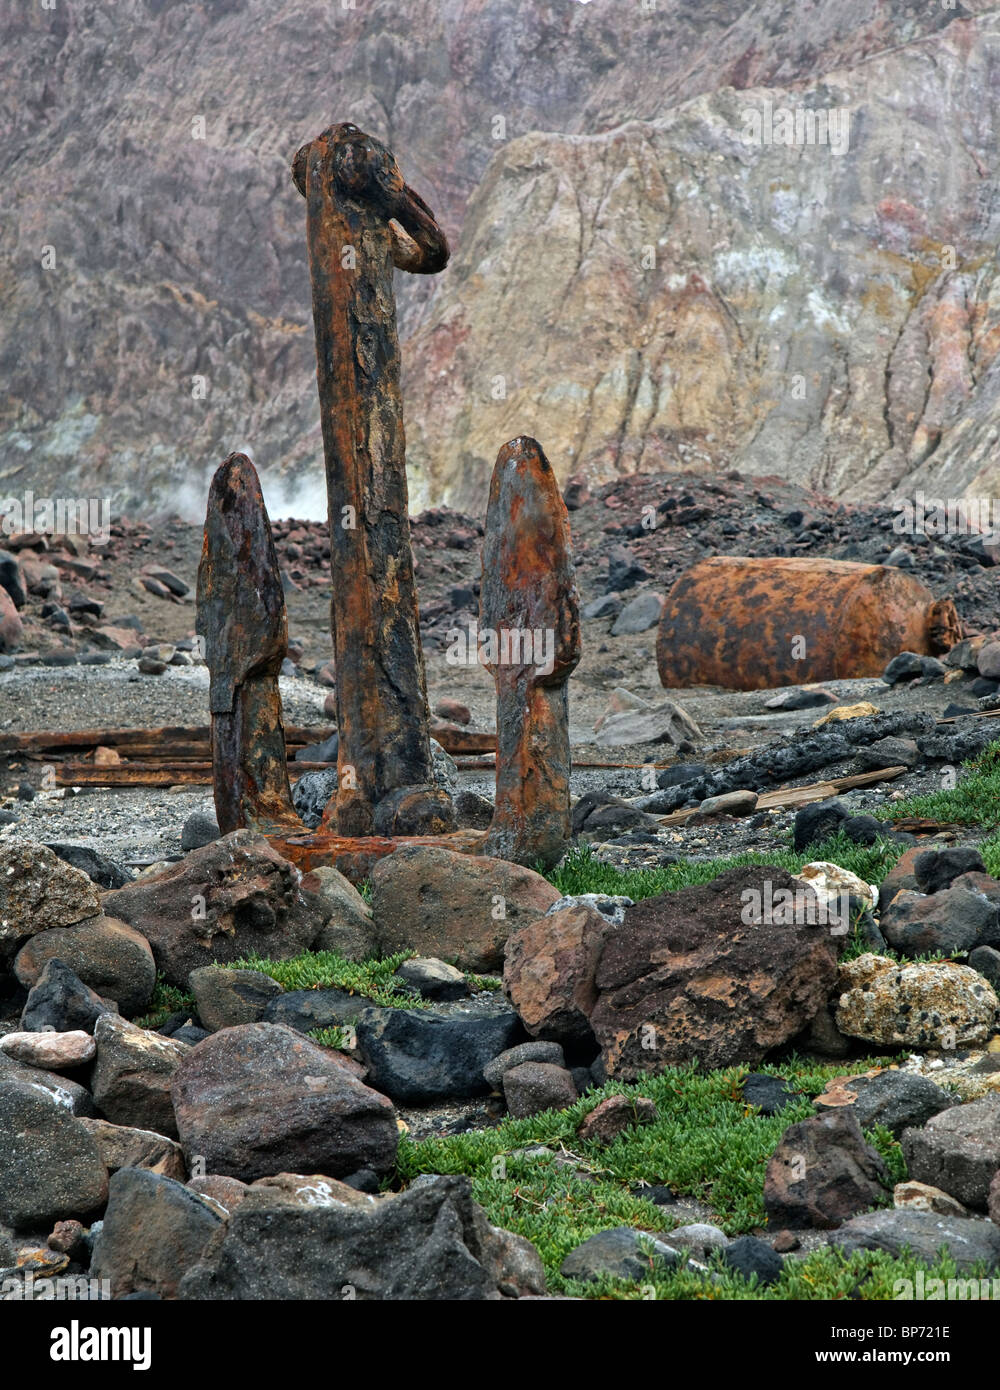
707,1143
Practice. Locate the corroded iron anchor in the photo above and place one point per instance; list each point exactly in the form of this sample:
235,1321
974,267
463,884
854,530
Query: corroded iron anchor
357,202
362,220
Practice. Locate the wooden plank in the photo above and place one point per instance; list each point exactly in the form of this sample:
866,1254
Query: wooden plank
296,735
977,713
155,774
178,741
784,798
460,741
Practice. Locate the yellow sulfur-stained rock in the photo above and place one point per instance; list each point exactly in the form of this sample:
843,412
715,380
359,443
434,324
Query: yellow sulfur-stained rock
927,1005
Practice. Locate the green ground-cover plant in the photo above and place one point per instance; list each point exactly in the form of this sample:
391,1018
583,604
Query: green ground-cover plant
582,872
706,1143
375,979
973,801
166,1000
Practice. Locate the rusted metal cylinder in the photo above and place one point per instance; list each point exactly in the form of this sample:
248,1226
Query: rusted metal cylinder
752,624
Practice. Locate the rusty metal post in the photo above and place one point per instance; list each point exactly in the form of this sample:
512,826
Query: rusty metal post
241,618
530,642
361,220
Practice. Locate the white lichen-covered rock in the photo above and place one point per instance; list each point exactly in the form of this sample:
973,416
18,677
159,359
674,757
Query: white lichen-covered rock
829,881
928,1005
610,906
38,890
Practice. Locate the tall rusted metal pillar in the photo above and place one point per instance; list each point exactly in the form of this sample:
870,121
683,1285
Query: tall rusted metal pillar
362,220
530,641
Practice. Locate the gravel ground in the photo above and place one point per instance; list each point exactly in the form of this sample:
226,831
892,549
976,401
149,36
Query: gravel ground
139,826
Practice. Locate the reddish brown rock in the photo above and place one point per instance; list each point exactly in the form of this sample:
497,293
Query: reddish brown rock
900,876
260,1099
822,1173
223,901
457,907
454,711
109,956
549,972
11,627
67,1238
615,1115
228,1192
686,979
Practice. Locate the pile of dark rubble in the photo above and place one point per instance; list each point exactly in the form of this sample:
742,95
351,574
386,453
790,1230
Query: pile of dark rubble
66,597
226,1153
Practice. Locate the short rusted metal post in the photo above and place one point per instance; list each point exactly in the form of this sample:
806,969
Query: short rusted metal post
241,619
530,640
361,220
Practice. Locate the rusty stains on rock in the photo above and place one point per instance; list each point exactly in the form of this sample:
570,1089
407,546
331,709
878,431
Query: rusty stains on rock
753,624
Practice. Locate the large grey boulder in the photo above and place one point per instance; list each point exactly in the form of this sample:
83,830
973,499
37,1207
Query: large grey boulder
431,1242
261,1099
50,1166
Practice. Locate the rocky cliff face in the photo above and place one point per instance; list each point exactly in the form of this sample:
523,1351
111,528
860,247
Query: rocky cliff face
636,285
668,293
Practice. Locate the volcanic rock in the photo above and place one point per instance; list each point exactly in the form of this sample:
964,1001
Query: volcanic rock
455,906
687,978
154,1231
123,1146
926,1005
59,999
431,1242
532,1087
233,897
821,1173
132,1075
417,1056
922,1234
50,1167
958,1150
39,891
261,1099
111,957
226,998
549,973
